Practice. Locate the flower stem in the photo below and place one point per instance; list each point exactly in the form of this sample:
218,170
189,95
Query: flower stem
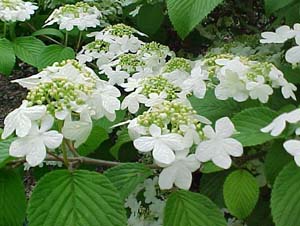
65,154
66,38
4,29
79,41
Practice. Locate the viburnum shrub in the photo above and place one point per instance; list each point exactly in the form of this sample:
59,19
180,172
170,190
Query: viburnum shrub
117,129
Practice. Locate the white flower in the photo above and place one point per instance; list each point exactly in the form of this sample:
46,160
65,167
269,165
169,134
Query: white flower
293,148
259,90
115,76
104,101
281,35
132,102
20,120
195,83
131,84
80,15
288,90
33,146
231,85
78,130
179,172
277,126
16,10
219,145
163,146
191,135
155,99
135,130
293,55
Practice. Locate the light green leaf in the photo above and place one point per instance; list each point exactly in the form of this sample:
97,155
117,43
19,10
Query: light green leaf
96,138
276,159
274,5
241,193
186,14
212,108
210,167
12,199
28,49
54,53
49,31
187,208
127,177
285,197
75,199
4,151
7,56
249,122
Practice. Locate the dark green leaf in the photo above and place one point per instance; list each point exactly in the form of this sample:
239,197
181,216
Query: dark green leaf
4,151
12,199
49,31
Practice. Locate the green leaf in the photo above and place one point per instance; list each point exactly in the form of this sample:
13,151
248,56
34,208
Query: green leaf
276,159
274,5
28,49
98,136
127,177
74,199
12,199
210,167
241,193
54,53
49,31
150,18
212,108
106,124
4,151
7,56
123,138
249,122
186,14
285,197
211,185
187,208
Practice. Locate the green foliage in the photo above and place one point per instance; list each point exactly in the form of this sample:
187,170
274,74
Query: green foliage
4,151
28,49
188,208
12,199
285,197
97,136
249,122
186,14
241,193
127,177
74,199
50,32
276,159
54,53
7,56
211,185
212,108
150,18
274,5
123,138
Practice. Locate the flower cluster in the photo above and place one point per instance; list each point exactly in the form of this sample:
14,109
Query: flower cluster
146,204
70,94
80,15
283,34
277,127
16,10
240,78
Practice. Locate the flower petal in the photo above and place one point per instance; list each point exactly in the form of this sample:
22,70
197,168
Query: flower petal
52,139
162,153
144,144
224,127
292,147
167,177
183,178
37,154
223,161
232,147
